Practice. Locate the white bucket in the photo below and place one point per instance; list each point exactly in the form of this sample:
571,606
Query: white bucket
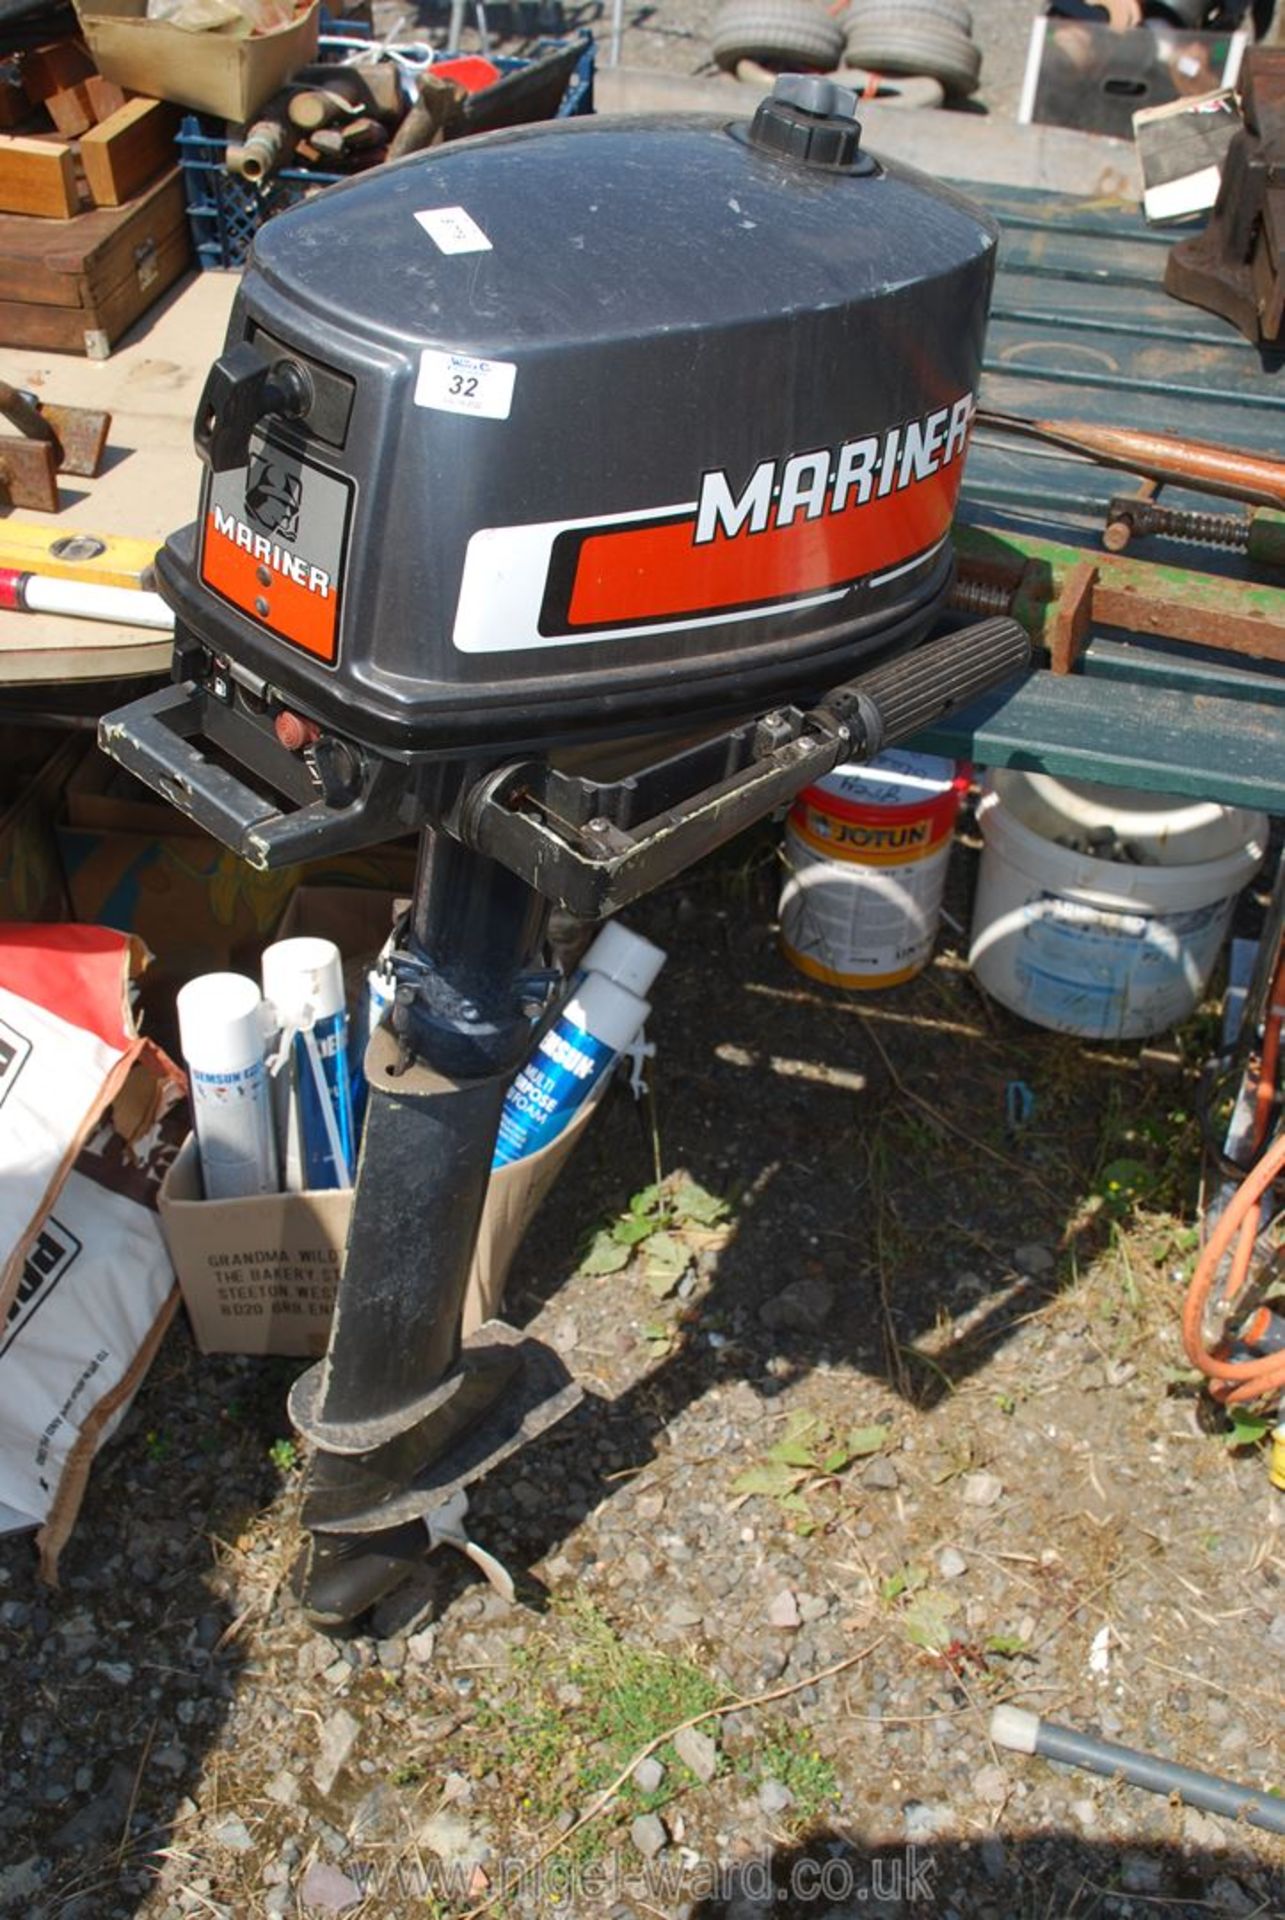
1108,948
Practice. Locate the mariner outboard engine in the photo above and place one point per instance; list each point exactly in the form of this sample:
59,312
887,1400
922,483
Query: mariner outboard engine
598,432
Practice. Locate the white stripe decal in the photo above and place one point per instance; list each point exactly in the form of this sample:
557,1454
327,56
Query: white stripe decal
908,566
506,570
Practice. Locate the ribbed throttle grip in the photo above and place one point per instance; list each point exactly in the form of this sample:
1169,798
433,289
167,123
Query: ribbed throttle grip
902,696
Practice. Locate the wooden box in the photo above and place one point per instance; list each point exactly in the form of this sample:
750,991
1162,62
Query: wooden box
76,285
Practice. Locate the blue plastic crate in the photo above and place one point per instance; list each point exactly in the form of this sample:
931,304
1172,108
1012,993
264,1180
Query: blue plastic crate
225,212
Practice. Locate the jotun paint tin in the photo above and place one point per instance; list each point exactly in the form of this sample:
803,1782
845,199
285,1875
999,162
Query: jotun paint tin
866,852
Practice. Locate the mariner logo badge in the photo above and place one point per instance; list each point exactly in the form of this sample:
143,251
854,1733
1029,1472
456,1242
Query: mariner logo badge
272,496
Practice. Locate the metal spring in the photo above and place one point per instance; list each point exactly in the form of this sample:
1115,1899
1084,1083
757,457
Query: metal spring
1183,523
1186,523
980,596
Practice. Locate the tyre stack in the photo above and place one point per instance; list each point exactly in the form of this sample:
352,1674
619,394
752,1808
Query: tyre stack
908,52
932,38
782,35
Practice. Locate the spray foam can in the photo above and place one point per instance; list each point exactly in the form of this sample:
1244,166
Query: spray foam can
602,1016
222,1024
303,982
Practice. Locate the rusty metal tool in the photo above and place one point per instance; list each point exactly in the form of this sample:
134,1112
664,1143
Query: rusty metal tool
1058,593
1236,266
1259,535
1199,464
50,440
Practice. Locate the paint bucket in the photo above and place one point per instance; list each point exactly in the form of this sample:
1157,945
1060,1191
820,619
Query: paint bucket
1100,911
867,849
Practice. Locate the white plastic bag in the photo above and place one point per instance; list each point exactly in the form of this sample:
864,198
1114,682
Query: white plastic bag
90,1117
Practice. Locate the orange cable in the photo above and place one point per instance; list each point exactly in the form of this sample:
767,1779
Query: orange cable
1238,1222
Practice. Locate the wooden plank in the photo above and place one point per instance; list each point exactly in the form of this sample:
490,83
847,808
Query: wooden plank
1136,736
130,148
107,652
37,177
47,69
70,111
104,96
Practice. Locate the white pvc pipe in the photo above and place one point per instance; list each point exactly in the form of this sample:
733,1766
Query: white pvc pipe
1024,1732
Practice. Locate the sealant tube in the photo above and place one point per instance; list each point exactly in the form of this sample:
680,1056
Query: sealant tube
303,982
378,992
221,1031
1024,1732
42,593
594,1027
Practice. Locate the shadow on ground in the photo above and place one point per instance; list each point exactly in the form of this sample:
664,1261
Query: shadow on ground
869,1146
1034,1876
139,1651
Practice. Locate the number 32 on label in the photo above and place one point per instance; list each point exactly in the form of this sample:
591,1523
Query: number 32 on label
459,383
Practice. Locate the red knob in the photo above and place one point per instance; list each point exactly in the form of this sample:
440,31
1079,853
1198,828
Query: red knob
294,732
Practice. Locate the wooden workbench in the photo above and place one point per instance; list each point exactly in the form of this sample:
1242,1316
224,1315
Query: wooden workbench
1081,328
148,485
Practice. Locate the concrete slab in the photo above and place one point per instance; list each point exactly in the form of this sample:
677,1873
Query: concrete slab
952,145
150,385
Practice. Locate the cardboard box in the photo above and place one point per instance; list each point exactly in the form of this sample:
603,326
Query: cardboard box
259,1276
35,763
213,72
132,862
357,919
513,1198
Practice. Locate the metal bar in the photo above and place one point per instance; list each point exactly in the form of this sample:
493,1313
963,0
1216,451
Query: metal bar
1138,329
1231,472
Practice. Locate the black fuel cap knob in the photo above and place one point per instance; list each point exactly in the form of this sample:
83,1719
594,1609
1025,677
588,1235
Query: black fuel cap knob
241,389
811,119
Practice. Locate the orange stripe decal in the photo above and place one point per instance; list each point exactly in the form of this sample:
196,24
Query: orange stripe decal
658,572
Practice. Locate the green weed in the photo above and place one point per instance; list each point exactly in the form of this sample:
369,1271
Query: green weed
664,1226
561,1752
809,1455
791,1757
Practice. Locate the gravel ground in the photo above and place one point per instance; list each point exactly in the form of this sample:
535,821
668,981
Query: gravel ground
893,1438
893,1433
